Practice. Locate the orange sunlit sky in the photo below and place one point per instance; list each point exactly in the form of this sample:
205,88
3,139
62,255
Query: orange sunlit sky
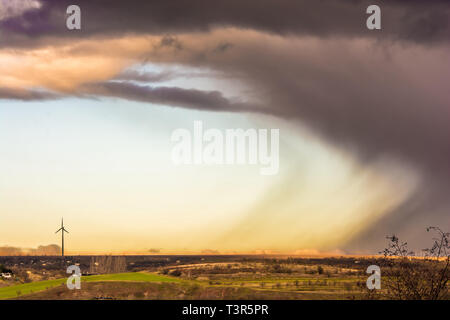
86,118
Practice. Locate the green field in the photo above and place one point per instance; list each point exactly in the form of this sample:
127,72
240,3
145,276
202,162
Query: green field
132,276
32,287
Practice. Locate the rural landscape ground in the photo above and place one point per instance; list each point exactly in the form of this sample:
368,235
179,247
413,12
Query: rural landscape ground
187,277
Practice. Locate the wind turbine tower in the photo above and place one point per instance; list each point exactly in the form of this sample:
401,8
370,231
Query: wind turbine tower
62,229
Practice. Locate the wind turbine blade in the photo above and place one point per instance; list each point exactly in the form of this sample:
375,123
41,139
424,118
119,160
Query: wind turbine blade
58,230
65,230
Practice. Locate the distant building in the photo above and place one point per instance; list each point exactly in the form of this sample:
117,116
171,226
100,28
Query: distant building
6,275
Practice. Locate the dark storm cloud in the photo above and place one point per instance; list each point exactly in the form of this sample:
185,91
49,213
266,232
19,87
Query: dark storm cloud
374,103
373,99
411,20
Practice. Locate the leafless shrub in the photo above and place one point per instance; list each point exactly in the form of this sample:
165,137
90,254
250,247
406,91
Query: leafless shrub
407,277
175,273
319,269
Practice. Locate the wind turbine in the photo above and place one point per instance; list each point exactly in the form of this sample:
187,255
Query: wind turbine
62,229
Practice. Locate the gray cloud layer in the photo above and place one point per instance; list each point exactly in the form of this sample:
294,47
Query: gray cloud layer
27,95
173,96
409,20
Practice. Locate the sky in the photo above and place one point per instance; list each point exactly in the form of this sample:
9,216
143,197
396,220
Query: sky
86,118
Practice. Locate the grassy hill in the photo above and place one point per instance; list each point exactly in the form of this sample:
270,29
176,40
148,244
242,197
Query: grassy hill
33,287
